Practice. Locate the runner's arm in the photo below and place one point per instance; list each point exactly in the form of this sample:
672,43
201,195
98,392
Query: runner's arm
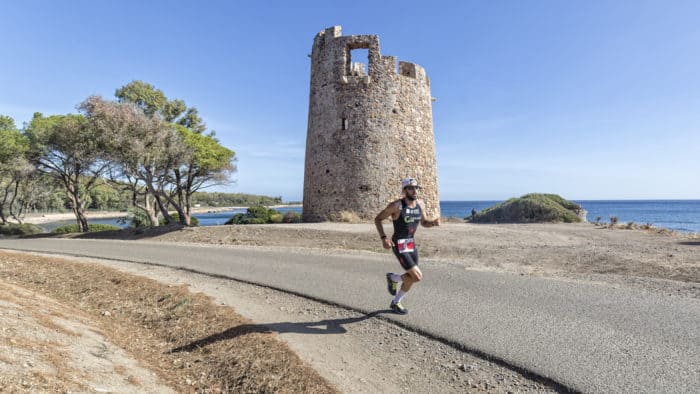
389,212
424,221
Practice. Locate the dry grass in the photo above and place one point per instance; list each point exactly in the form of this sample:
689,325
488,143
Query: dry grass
194,345
347,217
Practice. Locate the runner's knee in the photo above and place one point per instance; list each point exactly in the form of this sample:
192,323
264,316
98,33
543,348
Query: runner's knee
415,276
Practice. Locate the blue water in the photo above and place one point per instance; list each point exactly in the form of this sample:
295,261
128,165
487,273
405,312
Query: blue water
680,215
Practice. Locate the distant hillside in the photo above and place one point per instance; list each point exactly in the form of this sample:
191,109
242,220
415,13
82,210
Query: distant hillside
532,208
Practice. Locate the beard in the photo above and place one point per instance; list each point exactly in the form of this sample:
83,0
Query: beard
412,197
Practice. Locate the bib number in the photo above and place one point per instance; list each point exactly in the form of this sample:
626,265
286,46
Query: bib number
405,245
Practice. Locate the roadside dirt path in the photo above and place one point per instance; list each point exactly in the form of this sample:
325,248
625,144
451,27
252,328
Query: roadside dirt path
46,346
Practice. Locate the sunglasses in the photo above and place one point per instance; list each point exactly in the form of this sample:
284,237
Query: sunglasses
411,188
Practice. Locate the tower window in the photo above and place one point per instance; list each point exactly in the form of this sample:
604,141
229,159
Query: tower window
344,124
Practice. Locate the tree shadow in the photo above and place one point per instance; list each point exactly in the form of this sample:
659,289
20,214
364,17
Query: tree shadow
122,234
132,233
328,326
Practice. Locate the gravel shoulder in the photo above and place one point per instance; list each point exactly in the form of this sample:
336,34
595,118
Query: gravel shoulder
48,346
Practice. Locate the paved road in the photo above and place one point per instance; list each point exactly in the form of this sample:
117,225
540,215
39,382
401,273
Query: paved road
588,337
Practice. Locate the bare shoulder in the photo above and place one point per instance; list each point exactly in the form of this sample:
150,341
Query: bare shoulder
392,210
394,206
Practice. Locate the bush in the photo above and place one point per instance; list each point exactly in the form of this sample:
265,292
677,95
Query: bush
613,221
531,208
257,214
346,217
137,219
20,229
92,228
291,217
176,219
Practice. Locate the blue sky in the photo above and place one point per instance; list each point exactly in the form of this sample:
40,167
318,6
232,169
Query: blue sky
587,99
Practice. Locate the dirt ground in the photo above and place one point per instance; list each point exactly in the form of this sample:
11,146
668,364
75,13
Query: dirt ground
51,347
77,327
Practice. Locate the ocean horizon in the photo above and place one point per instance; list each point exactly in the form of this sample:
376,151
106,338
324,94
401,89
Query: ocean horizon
678,215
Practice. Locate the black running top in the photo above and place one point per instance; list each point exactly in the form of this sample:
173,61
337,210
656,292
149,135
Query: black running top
407,222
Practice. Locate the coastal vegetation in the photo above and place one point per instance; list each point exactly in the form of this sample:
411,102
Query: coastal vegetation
20,229
530,208
259,214
141,150
176,218
92,228
215,199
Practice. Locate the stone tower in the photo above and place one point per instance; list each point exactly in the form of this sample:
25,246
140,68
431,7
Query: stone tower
367,130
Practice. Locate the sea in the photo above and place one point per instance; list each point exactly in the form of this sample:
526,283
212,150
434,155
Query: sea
679,215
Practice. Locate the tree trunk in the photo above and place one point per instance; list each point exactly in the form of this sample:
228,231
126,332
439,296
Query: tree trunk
77,206
147,207
150,209
16,207
159,202
3,204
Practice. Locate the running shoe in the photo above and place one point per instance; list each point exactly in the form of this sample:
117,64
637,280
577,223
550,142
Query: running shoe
398,308
391,286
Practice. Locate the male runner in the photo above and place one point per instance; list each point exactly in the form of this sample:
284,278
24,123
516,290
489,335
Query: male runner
405,213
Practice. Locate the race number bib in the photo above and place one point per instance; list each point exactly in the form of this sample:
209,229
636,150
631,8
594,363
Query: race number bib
406,245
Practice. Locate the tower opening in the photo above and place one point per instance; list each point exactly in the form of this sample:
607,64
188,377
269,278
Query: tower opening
358,61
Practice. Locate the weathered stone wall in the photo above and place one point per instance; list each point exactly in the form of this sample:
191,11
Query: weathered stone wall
367,130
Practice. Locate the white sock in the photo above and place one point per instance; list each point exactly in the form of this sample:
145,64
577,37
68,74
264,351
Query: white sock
399,296
395,277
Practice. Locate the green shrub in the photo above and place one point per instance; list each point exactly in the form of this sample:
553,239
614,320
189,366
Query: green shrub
92,228
291,217
137,218
257,214
531,208
176,219
20,229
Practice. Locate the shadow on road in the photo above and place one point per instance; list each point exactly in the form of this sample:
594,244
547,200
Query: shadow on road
328,326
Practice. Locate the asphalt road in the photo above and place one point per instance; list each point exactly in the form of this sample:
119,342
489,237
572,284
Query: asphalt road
588,337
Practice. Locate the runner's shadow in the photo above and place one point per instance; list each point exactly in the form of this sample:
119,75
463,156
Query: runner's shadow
329,326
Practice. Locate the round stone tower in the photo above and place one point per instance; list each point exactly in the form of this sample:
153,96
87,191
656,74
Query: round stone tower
367,130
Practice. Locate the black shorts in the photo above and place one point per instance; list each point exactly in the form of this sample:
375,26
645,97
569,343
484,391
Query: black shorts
407,260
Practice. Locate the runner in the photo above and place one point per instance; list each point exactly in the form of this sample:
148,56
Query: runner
406,213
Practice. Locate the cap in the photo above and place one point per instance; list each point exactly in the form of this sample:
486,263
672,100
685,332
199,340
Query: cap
409,182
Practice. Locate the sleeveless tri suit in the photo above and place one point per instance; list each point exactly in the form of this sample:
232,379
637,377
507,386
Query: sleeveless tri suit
404,229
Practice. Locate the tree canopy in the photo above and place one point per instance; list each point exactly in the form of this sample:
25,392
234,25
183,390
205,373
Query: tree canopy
155,149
